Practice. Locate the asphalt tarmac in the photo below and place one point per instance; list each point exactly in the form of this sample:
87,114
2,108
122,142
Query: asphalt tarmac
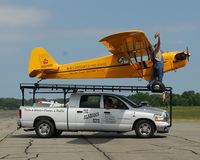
182,143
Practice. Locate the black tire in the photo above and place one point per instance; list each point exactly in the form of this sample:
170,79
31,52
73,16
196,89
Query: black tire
57,133
45,129
144,129
157,86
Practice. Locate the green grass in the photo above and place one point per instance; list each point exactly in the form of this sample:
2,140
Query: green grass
7,108
187,112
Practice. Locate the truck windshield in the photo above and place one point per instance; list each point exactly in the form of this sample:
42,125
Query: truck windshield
128,101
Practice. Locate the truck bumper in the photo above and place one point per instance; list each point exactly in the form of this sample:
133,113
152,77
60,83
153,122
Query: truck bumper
162,127
19,124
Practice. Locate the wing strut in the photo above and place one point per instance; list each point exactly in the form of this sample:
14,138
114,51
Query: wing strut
132,64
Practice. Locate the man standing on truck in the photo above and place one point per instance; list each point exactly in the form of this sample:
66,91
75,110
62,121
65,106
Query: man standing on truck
158,63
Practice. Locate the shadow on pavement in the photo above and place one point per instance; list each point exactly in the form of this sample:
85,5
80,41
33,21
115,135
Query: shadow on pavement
86,137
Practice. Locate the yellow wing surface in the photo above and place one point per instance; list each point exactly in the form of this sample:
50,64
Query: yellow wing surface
135,46
131,41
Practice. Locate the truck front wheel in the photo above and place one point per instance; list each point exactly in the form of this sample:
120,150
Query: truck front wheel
45,129
144,129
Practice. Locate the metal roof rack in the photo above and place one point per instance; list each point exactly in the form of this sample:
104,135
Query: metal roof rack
74,88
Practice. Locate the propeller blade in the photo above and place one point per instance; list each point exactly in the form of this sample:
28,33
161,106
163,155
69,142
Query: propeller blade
187,53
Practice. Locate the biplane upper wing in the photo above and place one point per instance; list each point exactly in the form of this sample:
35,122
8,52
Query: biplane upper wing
134,41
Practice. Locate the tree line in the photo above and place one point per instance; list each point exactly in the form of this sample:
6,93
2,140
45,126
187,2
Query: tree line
187,98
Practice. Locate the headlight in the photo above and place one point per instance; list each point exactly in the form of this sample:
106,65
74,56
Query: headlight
159,118
164,117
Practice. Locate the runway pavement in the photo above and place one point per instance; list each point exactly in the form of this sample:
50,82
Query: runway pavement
182,143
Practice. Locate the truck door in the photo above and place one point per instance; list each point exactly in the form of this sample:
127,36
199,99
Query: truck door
88,114
116,115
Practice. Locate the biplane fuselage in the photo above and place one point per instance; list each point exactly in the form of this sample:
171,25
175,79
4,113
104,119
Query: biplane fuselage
132,59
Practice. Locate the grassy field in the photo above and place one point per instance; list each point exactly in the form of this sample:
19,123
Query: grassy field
189,113
7,108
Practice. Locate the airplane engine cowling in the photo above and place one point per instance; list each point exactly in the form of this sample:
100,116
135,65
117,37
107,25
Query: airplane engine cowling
180,56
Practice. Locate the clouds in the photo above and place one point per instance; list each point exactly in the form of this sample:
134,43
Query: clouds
23,23
18,23
21,16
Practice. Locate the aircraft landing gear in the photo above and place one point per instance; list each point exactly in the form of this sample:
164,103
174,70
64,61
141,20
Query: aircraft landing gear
157,86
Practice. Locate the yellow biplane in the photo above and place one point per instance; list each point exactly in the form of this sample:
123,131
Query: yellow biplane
131,57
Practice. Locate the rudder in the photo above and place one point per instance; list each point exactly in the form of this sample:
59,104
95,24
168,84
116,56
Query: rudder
40,63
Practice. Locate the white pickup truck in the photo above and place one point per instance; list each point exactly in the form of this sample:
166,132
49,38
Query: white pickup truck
93,112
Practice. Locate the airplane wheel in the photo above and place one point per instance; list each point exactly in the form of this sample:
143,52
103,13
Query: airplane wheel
158,86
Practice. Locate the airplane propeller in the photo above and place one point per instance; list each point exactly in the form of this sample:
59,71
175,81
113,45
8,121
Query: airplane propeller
183,55
187,53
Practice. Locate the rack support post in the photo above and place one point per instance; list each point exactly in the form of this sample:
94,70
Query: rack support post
170,103
22,89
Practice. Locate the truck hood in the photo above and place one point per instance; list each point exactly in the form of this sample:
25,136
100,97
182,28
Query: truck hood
150,110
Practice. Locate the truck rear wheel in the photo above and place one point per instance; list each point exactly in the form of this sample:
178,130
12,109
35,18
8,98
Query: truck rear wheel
144,129
45,129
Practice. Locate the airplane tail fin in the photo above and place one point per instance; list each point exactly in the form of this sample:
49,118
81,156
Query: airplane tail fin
41,63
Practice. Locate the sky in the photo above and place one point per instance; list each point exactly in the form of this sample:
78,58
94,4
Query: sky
70,30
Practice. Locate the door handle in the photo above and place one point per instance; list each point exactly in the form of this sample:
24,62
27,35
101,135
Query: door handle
107,112
79,111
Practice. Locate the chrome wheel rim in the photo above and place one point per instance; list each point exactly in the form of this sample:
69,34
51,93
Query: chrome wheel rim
145,129
44,129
